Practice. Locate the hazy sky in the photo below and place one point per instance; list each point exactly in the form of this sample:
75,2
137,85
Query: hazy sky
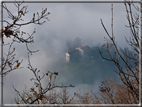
67,21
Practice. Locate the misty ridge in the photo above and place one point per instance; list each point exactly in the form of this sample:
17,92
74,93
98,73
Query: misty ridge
81,69
87,71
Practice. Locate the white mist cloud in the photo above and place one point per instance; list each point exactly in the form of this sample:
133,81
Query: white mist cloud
67,21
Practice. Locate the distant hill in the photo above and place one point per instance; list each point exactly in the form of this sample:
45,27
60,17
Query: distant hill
87,70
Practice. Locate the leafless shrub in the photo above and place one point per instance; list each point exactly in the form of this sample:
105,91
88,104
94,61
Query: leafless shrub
129,75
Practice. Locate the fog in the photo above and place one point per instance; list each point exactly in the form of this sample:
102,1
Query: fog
67,22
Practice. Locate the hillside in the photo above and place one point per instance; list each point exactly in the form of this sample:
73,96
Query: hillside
88,70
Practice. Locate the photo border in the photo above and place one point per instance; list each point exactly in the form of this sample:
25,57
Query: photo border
105,1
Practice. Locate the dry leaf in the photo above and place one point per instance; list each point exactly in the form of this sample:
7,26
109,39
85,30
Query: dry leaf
32,89
71,99
4,68
27,98
8,32
39,101
50,77
41,96
35,94
37,85
16,61
17,65
103,89
18,103
21,13
56,73
47,73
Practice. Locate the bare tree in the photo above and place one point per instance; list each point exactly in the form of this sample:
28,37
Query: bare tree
41,94
54,96
83,97
129,75
126,91
12,29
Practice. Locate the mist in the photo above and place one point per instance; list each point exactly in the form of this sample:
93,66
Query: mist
67,22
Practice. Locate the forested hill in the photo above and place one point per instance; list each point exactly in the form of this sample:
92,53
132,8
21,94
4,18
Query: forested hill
87,70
